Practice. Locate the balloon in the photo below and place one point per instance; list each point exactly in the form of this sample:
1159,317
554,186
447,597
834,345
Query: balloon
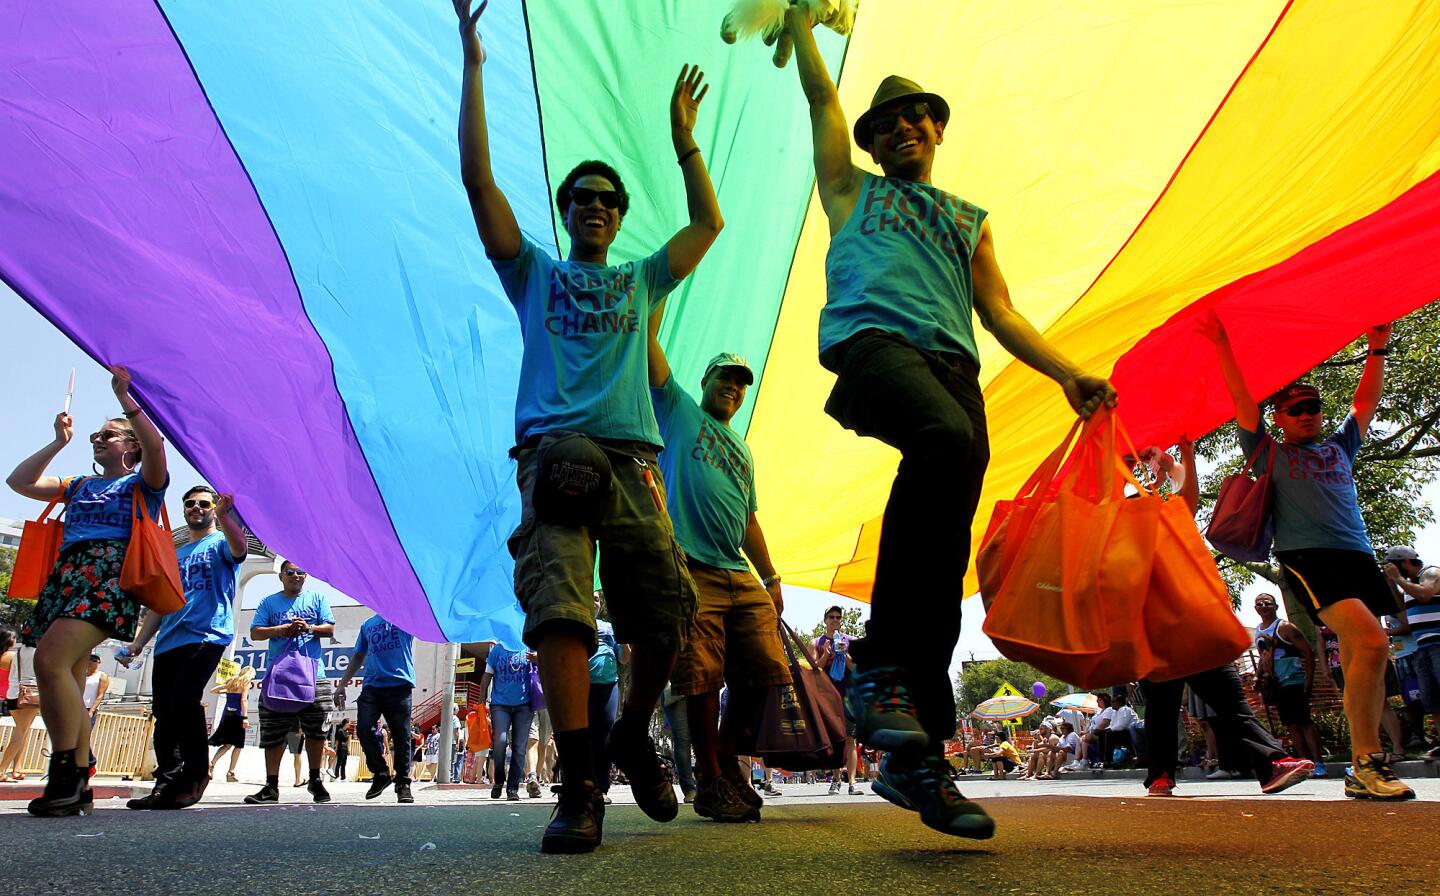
1038,689
285,213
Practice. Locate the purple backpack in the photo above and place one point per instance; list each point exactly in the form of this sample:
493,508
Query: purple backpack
290,683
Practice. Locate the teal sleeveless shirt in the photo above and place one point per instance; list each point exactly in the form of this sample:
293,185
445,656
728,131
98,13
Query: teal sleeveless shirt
901,264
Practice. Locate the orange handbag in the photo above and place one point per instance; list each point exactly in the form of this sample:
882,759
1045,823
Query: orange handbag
151,571
1065,566
38,552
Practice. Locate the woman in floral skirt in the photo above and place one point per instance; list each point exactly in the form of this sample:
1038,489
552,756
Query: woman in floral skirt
81,603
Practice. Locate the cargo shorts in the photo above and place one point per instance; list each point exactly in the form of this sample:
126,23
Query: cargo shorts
648,589
736,638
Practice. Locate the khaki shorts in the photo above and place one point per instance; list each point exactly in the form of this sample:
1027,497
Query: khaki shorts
648,591
736,637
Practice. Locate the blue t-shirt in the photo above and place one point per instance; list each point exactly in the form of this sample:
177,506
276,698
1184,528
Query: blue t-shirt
277,609
97,508
709,479
1314,504
605,661
511,671
389,654
207,573
585,365
901,264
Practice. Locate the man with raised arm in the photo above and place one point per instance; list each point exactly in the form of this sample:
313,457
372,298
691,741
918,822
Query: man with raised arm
908,265
586,445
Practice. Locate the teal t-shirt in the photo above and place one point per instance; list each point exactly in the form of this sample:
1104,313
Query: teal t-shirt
901,264
1314,504
99,509
584,367
207,573
277,609
709,479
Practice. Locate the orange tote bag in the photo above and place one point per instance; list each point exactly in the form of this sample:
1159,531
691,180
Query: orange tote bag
151,570
1064,569
39,551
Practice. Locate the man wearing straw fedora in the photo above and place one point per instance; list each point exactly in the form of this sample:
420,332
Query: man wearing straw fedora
188,648
908,264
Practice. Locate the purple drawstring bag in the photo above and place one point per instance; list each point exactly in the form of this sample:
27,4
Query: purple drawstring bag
537,694
290,683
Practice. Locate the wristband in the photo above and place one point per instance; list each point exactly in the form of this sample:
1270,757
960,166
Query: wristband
1380,352
691,152
772,580
131,415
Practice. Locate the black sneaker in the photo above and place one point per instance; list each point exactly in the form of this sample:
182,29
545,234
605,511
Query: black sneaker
495,790
402,791
884,714
649,782
718,800
267,794
927,788
577,821
377,786
512,796
159,798
318,791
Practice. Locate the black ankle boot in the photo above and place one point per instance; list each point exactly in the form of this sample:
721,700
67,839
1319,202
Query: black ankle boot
66,790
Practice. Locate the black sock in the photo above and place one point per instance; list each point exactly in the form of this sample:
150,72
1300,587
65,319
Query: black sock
573,748
272,781
632,724
314,774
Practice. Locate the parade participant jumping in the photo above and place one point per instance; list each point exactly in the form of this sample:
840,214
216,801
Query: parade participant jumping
736,638
1321,543
189,646
81,603
583,414
908,264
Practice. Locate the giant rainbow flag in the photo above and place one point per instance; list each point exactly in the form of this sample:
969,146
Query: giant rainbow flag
256,205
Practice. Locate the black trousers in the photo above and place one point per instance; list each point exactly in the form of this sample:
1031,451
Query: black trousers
394,704
601,716
927,405
177,686
1246,745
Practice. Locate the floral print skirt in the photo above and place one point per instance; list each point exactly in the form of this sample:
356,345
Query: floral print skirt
85,585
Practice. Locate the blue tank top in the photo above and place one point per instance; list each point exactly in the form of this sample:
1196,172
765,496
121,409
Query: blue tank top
232,704
901,264
1285,660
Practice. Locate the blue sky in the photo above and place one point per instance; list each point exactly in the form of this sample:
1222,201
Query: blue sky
39,358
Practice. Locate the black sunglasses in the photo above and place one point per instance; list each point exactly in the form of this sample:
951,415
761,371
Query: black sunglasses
886,124
1302,408
583,196
195,502
294,573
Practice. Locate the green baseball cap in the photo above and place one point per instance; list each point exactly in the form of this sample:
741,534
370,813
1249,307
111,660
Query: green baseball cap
730,359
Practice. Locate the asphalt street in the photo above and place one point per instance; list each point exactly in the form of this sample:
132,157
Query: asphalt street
1073,836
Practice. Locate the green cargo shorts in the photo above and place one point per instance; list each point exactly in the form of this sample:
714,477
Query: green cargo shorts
648,589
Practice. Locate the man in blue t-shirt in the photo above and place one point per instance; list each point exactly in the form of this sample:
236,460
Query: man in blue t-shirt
832,652
294,619
510,714
189,646
735,641
1320,539
909,266
387,654
586,442
1419,587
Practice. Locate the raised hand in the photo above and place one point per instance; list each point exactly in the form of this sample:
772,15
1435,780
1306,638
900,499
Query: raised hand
119,380
64,428
1212,329
685,101
469,34
224,504
799,15
1378,335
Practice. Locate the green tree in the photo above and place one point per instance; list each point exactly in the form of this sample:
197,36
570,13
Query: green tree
7,563
1398,459
977,682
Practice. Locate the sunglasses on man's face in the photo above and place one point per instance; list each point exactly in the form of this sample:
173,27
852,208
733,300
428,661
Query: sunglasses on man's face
1303,408
196,502
583,196
886,124
294,573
